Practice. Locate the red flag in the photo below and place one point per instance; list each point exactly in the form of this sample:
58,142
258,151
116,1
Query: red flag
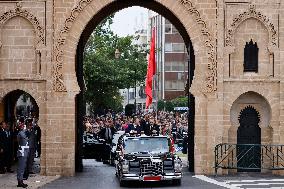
150,71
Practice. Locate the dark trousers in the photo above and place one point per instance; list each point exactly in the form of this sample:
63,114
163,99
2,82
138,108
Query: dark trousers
2,162
8,158
106,152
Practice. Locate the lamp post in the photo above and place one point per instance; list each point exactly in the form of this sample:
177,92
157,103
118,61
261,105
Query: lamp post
135,88
117,54
135,72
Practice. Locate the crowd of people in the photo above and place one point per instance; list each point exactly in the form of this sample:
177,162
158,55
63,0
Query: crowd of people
162,122
19,142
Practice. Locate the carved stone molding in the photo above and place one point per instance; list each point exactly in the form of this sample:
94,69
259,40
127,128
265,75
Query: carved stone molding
252,13
18,11
58,81
211,75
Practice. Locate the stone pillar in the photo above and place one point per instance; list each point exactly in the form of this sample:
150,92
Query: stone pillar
59,144
200,137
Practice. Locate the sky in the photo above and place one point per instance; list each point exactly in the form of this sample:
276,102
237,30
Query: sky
126,21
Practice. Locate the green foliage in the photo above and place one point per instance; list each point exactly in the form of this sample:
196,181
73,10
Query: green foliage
181,101
169,106
104,74
160,105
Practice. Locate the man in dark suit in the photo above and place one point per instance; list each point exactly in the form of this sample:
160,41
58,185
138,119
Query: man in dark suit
2,138
107,133
136,126
6,137
38,137
145,123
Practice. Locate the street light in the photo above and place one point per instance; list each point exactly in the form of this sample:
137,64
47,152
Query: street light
117,54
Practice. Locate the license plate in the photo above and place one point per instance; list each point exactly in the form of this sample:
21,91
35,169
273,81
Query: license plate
152,178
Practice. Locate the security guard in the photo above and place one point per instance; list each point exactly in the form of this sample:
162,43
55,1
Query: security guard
22,153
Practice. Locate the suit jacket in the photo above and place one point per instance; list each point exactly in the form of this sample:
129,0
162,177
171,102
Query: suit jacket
146,127
6,140
103,132
130,127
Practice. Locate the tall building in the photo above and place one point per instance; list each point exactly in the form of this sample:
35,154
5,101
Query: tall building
171,59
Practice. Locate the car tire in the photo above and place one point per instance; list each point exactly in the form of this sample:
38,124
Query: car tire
123,183
177,182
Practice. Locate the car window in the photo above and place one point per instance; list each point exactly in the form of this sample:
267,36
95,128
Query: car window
146,145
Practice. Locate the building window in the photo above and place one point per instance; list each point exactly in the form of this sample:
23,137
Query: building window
168,28
168,66
174,30
168,47
178,47
131,95
251,57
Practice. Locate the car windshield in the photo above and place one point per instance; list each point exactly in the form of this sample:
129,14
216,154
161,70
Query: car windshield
146,145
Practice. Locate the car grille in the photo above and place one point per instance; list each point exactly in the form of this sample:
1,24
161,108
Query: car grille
151,168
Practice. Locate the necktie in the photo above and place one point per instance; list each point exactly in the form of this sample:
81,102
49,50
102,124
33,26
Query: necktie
109,133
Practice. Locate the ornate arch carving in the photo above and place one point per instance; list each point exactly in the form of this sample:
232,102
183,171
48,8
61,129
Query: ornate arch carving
18,11
57,75
262,106
58,82
251,13
211,76
249,107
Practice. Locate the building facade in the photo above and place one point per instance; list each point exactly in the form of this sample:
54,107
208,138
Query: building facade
239,52
171,59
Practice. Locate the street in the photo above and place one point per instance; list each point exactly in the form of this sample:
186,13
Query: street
97,175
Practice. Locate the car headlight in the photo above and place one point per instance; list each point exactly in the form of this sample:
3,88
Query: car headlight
178,165
125,166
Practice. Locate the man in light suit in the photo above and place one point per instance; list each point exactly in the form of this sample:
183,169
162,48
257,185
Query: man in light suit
22,153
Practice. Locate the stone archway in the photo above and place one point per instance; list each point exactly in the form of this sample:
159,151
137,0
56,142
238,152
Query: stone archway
66,85
261,105
86,10
80,102
19,105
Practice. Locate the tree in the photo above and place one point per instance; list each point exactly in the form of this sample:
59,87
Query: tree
160,105
104,74
169,106
181,101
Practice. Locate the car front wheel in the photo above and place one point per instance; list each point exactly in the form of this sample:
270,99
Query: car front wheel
177,182
123,183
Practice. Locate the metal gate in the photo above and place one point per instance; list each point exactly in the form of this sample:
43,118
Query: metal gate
249,133
235,156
